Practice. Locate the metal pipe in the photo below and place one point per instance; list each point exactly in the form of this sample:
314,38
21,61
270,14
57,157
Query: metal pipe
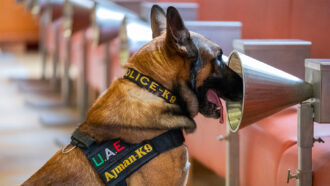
44,21
55,7
66,89
37,7
77,15
232,158
134,33
76,18
54,81
305,144
107,19
82,83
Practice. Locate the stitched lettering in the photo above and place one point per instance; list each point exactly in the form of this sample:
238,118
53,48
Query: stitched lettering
147,148
144,82
101,162
109,153
153,86
119,168
140,153
128,72
108,176
165,94
137,77
131,74
117,146
126,163
115,175
132,158
173,99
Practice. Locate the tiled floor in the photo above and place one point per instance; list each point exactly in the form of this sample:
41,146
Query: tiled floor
25,145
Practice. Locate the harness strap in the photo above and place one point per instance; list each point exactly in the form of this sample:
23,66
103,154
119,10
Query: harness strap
168,140
81,140
114,160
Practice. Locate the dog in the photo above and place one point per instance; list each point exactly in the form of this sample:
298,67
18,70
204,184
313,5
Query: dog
184,62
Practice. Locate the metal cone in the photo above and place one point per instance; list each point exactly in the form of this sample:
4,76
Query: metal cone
266,90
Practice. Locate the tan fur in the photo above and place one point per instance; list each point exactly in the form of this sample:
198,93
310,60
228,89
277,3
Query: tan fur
133,114
203,74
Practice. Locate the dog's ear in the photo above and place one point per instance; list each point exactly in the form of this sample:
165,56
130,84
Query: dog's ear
177,35
158,21
175,26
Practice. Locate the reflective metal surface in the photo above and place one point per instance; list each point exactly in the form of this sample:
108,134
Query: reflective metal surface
43,9
77,15
285,54
54,7
318,74
45,18
266,90
29,4
37,7
133,5
43,4
305,130
107,19
134,33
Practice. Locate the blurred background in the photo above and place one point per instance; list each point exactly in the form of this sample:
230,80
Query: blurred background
280,19
57,56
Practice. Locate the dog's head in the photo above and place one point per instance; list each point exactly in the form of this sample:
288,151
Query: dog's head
188,62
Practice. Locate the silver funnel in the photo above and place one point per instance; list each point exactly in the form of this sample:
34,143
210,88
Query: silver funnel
266,90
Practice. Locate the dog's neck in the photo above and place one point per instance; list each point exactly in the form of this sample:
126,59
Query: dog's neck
134,114
155,61
160,60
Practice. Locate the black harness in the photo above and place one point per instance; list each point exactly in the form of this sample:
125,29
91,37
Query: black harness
114,160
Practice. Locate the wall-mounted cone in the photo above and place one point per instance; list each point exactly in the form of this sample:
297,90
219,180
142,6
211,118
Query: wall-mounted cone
266,90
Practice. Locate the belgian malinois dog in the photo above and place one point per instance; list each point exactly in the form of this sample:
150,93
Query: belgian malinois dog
183,62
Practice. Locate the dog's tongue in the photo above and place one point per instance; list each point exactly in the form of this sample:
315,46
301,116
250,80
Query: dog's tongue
213,98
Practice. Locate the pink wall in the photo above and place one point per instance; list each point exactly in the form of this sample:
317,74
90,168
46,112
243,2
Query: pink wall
296,19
